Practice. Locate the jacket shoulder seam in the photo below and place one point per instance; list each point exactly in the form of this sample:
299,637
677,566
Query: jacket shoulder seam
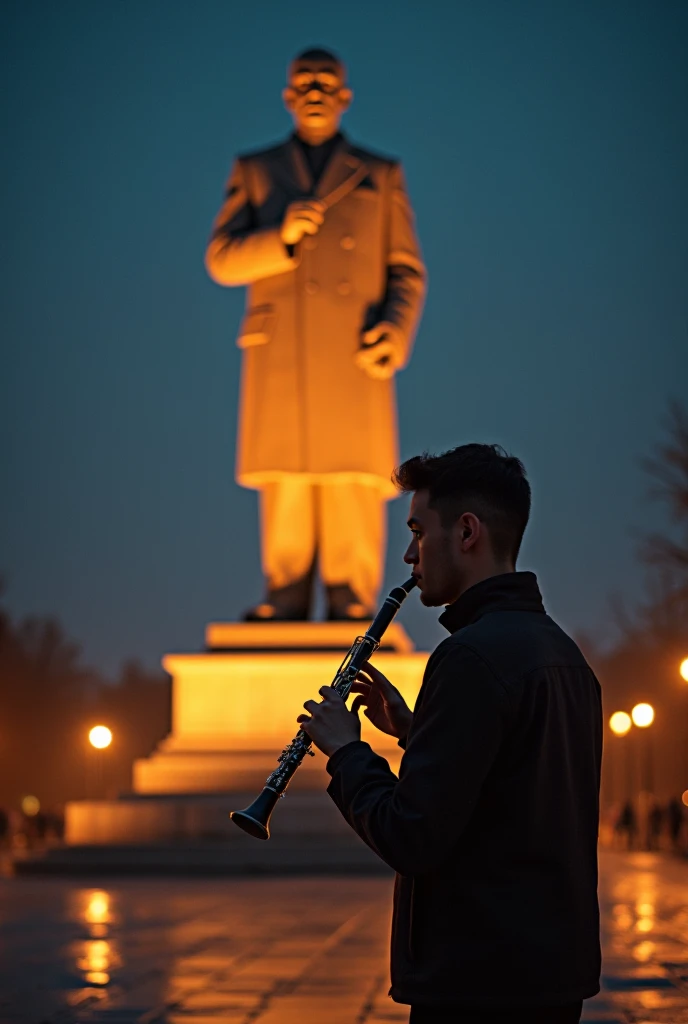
495,675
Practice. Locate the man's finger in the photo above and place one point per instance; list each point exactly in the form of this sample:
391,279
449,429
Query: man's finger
358,702
310,213
361,686
380,682
315,204
311,706
308,218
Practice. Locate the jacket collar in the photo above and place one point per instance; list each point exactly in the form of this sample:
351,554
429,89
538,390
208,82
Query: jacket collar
509,592
343,172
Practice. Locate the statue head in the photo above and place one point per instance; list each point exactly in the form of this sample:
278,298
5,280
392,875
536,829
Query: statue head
316,94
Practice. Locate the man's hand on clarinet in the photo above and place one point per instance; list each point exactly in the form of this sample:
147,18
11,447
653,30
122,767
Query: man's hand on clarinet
378,353
303,217
384,705
330,724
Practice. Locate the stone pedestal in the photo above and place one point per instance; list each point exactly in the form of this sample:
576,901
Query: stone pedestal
234,708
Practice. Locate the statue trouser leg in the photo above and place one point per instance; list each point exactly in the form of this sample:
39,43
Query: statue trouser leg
288,541
351,540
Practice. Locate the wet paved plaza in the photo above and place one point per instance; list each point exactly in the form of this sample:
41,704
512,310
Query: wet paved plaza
287,950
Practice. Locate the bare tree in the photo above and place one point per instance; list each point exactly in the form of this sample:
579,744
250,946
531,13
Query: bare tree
667,467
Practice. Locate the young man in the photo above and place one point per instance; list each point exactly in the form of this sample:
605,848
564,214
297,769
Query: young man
492,823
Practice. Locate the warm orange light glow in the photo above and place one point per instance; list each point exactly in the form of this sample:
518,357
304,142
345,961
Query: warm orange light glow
643,715
97,977
100,737
684,798
97,962
98,908
644,950
620,723
683,669
30,805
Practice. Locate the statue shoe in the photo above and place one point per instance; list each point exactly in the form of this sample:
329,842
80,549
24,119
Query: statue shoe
290,603
266,611
343,605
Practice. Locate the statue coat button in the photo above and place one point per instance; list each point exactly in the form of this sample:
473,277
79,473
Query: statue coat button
348,242
311,287
344,287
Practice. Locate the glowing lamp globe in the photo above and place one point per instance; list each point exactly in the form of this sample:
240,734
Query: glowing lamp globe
100,737
643,715
30,805
620,723
683,669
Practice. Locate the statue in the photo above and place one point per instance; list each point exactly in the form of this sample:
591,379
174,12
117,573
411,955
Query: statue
322,233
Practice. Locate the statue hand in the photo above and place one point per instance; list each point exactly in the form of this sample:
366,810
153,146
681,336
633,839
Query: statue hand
378,355
302,217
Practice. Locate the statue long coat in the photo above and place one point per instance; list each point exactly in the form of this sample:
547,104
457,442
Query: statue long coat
305,406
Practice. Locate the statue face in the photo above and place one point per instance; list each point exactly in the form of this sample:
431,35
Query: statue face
316,97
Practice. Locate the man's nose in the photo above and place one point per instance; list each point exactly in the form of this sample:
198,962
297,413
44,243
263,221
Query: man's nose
411,556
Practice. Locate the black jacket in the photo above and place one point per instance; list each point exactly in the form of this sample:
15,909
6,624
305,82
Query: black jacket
492,823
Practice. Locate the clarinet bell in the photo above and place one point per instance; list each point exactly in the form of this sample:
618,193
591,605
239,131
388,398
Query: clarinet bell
255,819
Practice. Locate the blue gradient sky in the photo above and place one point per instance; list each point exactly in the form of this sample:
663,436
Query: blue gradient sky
546,151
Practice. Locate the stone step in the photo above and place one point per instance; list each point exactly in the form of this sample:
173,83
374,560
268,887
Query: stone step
279,856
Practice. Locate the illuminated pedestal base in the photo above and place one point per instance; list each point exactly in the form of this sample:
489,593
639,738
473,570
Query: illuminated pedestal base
234,708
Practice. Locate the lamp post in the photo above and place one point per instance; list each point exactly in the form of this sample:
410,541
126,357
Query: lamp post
100,738
643,716
683,672
620,724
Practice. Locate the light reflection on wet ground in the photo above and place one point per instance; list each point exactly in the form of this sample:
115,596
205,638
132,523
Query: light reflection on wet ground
281,950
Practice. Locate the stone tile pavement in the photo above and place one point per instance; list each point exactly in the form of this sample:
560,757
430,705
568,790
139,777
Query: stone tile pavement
287,950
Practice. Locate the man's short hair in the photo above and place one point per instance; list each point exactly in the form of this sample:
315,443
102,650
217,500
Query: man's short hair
477,478
319,54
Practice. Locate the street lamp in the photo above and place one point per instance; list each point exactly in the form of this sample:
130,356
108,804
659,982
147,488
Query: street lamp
100,737
683,672
620,723
643,715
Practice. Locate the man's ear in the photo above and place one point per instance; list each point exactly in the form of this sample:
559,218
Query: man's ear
288,97
469,530
346,97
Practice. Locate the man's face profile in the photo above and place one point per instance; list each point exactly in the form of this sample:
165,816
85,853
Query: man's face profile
317,96
432,554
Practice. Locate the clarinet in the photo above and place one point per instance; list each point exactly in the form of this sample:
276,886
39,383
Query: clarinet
255,819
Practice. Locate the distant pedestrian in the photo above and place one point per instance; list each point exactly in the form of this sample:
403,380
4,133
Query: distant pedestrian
628,824
654,826
675,822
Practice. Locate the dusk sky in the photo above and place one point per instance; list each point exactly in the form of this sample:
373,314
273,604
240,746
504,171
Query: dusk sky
546,151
